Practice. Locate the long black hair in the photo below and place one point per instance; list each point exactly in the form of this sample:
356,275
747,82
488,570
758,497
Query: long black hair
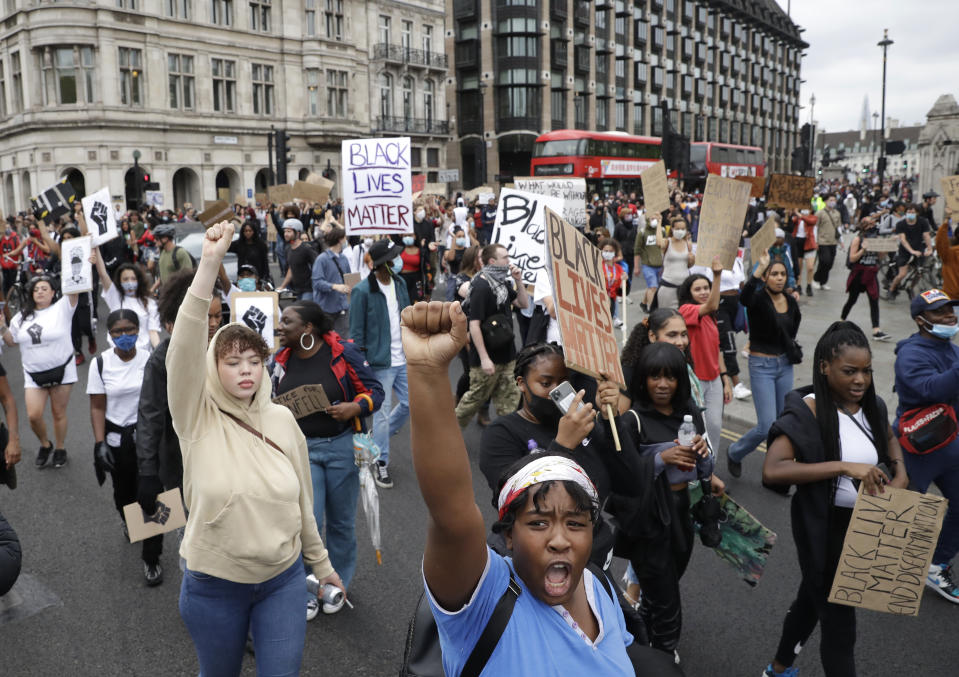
143,289
639,336
838,336
685,293
657,359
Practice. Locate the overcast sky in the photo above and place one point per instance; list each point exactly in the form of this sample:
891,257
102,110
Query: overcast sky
843,62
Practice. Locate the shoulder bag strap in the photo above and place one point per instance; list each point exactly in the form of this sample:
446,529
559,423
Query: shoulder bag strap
493,631
601,576
253,431
859,425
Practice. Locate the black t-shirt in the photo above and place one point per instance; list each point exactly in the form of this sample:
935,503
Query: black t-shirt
311,371
914,233
482,305
658,427
300,261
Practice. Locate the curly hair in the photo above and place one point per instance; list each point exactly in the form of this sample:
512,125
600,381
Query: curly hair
239,338
639,336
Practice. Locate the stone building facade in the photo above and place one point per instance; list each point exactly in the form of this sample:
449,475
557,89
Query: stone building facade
939,148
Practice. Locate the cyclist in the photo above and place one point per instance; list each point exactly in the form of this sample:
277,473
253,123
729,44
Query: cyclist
915,240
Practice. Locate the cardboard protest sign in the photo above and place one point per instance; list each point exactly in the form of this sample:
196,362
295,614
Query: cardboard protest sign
655,193
54,202
758,184
377,195
76,275
474,193
889,243
581,301
950,190
216,212
259,310
519,226
100,217
280,194
790,192
260,198
721,220
434,189
572,191
352,279
239,199
763,239
888,548
310,192
169,515
304,400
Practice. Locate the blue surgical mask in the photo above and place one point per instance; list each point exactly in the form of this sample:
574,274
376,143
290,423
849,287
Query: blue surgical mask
397,264
125,342
461,242
943,331
246,284
409,240
129,288
910,217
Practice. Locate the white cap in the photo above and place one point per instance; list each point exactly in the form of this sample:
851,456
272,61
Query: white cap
780,232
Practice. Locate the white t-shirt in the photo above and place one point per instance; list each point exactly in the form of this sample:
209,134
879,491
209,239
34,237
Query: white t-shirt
45,337
121,384
729,280
854,447
149,316
459,216
397,358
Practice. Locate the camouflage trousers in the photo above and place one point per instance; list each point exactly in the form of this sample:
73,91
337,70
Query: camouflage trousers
500,386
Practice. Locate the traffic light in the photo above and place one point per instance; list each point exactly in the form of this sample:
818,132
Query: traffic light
881,165
825,155
800,159
675,148
283,159
805,135
327,174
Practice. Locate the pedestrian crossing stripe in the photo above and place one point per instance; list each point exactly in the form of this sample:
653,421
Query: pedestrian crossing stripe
732,437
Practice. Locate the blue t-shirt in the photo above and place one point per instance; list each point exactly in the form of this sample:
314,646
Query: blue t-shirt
538,640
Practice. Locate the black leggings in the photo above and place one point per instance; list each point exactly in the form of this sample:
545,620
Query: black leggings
855,289
82,324
838,622
725,320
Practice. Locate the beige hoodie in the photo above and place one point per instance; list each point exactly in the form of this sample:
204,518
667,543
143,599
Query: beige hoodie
250,507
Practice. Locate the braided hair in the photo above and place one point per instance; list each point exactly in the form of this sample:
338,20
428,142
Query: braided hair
531,353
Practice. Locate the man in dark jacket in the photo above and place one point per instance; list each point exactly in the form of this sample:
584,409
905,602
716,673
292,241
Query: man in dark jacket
159,463
927,373
10,556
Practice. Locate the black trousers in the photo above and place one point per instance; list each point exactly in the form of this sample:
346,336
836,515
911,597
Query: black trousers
725,320
855,289
82,324
838,622
827,256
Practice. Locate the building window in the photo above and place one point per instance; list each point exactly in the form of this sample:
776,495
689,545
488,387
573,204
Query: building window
657,129
642,29
260,15
177,9
621,115
312,90
433,157
579,109
222,12
336,93
386,93
262,89
519,97
517,46
334,19
427,39
602,113
16,78
127,4
408,98
406,36
416,157
180,73
429,96
131,77
638,119
557,104
3,91
224,85
309,8
385,28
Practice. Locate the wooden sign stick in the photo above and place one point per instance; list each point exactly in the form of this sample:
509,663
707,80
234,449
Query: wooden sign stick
612,424
623,306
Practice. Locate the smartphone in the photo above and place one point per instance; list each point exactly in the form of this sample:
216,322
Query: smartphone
563,396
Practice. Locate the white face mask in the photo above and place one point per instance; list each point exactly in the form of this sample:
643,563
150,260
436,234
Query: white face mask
420,215
367,242
608,256
679,233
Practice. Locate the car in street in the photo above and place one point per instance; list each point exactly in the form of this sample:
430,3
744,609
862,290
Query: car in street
189,235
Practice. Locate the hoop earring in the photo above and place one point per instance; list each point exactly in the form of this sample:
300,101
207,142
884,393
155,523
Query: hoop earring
312,342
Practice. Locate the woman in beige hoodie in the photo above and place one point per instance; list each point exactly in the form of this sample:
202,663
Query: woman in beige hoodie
247,487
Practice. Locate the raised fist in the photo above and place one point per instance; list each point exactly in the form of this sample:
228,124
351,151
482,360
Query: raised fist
255,319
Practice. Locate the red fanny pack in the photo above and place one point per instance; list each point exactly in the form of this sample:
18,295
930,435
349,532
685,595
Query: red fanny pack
925,429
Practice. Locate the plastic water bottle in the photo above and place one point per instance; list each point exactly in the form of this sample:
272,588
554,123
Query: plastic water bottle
687,431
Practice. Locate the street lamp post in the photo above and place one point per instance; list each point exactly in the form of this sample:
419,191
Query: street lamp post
875,129
812,134
884,43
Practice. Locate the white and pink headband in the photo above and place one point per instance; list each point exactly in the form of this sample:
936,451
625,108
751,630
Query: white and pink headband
544,469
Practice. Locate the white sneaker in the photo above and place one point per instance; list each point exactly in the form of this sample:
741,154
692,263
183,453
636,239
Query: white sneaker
940,580
617,322
329,609
825,287
312,608
741,392
816,285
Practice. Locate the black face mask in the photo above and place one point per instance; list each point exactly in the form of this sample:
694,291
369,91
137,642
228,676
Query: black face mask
543,409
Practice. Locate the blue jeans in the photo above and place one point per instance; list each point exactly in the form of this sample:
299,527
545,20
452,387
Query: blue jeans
770,378
218,613
389,418
305,296
336,487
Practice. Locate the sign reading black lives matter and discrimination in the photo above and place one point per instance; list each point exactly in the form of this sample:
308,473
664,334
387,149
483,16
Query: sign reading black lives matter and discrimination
888,548
377,186
581,301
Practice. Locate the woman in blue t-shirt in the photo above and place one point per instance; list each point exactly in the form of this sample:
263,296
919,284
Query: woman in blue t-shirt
563,620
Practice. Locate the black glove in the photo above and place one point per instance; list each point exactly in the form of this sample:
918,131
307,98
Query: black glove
149,488
104,456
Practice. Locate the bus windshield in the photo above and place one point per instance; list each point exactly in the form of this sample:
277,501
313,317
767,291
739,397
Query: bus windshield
559,148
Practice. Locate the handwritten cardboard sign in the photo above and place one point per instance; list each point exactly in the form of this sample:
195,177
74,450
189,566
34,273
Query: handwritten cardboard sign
216,212
100,217
581,301
519,226
377,194
571,191
655,194
758,184
881,244
888,548
305,400
434,189
763,239
790,192
721,220
170,515
280,194
352,279
260,198
310,192
950,190
258,310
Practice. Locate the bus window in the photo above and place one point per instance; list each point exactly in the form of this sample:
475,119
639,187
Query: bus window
741,156
559,148
697,154
755,157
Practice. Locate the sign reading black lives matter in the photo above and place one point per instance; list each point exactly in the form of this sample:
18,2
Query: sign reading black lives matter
378,186
100,217
887,551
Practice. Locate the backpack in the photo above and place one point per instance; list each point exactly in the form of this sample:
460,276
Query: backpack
422,656
176,261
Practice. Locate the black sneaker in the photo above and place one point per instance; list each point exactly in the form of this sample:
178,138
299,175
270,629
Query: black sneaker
735,468
153,573
59,458
381,475
809,290
43,456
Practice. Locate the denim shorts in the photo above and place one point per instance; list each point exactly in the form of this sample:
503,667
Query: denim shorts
652,275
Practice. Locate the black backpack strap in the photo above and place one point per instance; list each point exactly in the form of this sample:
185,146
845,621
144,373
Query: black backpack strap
493,631
100,366
176,261
602,578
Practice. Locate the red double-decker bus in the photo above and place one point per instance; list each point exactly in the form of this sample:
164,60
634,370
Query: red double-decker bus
609,161
723,159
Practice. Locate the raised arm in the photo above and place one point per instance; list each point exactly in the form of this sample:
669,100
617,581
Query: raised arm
712,303
102,270
455,554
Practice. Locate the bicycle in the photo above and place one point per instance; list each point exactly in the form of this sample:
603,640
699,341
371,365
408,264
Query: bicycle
921,275
18,290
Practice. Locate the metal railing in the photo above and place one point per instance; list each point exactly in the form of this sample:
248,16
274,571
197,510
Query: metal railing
409,55
410,125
